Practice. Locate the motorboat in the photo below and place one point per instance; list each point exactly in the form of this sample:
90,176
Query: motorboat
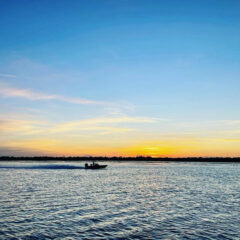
94,166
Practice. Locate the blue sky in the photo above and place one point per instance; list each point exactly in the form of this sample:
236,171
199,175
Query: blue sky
165,72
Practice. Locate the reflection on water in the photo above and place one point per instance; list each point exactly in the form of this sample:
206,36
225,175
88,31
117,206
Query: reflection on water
125,201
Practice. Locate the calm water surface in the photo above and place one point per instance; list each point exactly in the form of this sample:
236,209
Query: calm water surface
125,201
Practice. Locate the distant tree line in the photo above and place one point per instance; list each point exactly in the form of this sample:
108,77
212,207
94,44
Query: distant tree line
138,158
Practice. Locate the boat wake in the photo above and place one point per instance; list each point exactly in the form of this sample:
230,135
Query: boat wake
53,167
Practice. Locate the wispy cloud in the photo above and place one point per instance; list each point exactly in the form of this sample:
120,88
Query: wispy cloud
231,122
23,127
5,75
95,125
101,124
8,91
119,120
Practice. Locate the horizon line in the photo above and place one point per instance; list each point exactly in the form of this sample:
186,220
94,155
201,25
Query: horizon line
121,157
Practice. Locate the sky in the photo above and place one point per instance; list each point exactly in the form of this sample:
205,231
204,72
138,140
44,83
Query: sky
120,78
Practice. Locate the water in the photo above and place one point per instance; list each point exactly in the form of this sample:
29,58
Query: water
125,201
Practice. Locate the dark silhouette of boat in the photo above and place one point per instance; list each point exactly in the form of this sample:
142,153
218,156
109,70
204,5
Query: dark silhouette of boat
94,166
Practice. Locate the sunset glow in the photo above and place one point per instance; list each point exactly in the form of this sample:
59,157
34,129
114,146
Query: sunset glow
120,78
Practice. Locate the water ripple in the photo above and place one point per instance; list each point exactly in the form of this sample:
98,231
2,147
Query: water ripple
142,201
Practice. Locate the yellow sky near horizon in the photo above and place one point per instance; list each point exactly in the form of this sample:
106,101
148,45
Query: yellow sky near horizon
117,136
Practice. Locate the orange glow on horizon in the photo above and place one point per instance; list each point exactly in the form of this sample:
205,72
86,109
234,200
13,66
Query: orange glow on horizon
163,148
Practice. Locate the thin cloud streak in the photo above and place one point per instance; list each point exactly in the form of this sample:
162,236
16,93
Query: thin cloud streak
22,127
97,125
4,75
7,91
100,124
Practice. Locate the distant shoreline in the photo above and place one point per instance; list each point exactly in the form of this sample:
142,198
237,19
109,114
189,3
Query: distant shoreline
127,159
